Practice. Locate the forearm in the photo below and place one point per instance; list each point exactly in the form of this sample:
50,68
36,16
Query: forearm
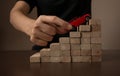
19,18
21,22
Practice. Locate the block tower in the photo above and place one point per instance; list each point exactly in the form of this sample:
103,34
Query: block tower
83,45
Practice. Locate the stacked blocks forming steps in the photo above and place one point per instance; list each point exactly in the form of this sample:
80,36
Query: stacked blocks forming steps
83,45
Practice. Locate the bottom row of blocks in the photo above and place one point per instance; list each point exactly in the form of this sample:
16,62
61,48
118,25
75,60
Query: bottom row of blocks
72,59
37,58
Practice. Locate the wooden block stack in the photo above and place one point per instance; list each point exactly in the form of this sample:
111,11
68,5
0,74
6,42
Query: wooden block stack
83,45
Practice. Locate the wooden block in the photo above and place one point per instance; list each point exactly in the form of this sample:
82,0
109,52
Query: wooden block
75,53
76,58
96,49
75,34
86,52
86,34
75,40
66,59
65,47
85,47
96,34
55,47
56,53
96,46
45,52
85,40
64,40
35,57
55,59
65,53
95,40
84,28
75,47
96,27
45,59
96,58
96,52
81,58
92,22
95,24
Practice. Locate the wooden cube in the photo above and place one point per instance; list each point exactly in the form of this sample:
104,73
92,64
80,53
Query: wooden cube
64,40
86,34
85,40
56,53
65,47
96,34
96,46
35,57
97,52
75,40
45,59
55,59
86,52
55,47
84,28
75,53
96,28
65,53
75,34
92,22
85,47
65,59
81,59
96,58
95,24
75,47
95,40
45,52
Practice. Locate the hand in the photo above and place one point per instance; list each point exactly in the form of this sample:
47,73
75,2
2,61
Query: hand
45,27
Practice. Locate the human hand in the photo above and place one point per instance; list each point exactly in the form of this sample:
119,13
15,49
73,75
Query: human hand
45,27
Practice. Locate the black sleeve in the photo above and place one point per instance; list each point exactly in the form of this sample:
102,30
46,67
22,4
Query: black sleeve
31,3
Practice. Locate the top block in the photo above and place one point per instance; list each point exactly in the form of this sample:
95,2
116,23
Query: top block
95,24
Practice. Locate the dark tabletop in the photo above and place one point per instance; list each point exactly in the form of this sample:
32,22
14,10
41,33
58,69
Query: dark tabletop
17,64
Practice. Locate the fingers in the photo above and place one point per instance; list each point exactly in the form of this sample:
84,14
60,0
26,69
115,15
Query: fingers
38,41
45,27
48,29
41,35
61,25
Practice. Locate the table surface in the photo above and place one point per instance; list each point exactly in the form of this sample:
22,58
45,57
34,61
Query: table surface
17,64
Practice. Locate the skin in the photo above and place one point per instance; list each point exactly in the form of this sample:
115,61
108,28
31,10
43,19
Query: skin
40,30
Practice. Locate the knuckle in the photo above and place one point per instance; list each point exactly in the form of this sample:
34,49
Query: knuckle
41,16
43,43
36,25
33,32
50,39
65,23
53,18
53,33
32,39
